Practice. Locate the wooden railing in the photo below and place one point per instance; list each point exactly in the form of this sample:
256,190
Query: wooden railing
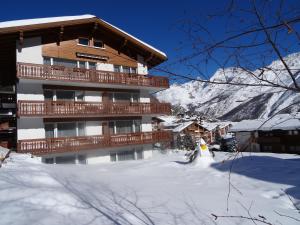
71,144
62,73
73,109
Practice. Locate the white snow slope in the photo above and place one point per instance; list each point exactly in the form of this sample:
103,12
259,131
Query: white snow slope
236,102
162,190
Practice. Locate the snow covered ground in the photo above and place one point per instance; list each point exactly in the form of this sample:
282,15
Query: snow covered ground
162,190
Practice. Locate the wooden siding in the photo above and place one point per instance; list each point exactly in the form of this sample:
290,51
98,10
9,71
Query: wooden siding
68,50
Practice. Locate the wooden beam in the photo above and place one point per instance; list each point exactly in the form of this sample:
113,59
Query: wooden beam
21,38
60,37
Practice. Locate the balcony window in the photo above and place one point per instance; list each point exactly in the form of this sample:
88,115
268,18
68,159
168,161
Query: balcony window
81,64
66,129
48,95
92,66
124,127
65,62
135,97
126,69
83,41
47,61
65,95
124,97
137,126
117,68
133,70
81,129
98,44
49,130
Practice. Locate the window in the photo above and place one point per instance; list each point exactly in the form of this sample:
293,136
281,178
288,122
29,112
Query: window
139,154
79,95
81,64
111,125
83,41
49,160
49,129
81,129
81,159
47,61
66,159
134,154
133,70
137,126
124,127
117,68
65,95
135,97
48,95
65,62
126,69
92,65
113,157
126,155
122,97
66,129
98,44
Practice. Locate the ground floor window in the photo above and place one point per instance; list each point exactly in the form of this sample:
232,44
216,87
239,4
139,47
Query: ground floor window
134,154
67,159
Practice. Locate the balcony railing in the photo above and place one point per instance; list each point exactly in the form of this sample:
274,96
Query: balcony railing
73,144
73,109
62,73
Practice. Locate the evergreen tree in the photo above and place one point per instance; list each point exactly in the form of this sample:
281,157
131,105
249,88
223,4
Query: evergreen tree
179,142
188,142
218,137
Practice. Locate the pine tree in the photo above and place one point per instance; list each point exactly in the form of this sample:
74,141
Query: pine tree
218,137
179,142
188,142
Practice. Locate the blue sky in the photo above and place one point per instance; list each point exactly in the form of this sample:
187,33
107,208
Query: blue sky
155,22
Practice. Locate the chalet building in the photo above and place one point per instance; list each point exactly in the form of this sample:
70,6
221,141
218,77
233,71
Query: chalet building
182,126
77,90
279,134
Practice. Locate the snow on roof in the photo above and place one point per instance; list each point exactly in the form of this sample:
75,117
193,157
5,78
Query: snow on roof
182,126
213,125
278,122
168,120
27,22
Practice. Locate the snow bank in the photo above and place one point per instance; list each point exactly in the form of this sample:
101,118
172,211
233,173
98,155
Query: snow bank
162,190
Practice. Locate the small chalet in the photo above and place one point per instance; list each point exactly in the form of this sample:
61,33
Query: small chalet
279,134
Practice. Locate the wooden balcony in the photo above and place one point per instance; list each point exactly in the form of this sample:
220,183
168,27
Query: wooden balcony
91,109
73,144
62,73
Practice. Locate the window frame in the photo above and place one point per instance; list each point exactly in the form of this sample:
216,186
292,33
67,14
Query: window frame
78,42
98,40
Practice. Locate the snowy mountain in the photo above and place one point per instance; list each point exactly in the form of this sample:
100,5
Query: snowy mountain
235,103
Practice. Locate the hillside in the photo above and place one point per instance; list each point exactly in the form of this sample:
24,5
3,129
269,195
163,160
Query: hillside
235,102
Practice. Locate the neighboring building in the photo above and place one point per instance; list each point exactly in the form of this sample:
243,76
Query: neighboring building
83,91
279,134
180,125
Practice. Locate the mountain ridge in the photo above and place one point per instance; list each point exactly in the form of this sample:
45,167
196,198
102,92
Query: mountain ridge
234,102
